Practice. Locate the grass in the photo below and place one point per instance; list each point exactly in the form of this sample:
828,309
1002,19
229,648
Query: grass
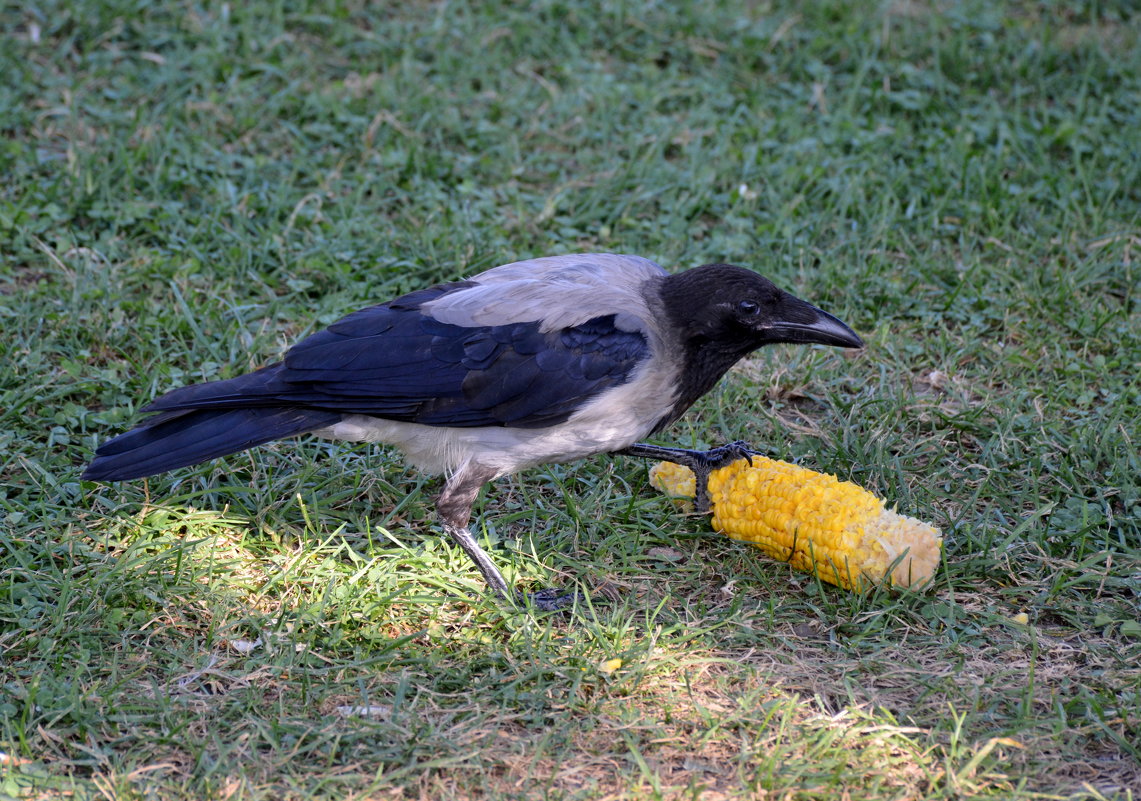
188,188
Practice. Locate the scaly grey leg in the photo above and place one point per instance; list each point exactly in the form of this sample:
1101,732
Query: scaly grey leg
702,463
454,506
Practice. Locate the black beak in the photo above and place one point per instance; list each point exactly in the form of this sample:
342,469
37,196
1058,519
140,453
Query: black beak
804,323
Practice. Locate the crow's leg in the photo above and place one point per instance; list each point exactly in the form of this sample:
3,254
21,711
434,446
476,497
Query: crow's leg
702,463
454,506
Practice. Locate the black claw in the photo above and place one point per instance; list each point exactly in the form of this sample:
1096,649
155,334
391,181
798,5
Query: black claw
716,458
551,599
708,461
694,460
702,463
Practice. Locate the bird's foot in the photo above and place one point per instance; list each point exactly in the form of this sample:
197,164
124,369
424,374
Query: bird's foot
702,463
551,599
716,458
548,600
707,462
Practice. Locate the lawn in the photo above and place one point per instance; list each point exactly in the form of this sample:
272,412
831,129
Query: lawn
188,188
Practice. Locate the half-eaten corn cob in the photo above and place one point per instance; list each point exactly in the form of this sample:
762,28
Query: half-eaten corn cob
814,521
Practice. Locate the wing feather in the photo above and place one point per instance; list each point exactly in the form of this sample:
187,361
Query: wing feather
398,362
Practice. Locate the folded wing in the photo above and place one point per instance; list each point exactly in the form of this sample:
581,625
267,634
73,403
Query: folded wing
397,362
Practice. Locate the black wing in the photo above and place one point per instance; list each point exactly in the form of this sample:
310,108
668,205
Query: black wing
394,361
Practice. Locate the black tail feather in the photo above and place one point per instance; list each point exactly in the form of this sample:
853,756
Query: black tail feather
184,437
259,388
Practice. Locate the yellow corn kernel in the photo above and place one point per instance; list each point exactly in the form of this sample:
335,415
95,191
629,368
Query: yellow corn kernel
814,521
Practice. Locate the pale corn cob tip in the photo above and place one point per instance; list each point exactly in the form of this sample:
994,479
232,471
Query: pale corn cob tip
814,521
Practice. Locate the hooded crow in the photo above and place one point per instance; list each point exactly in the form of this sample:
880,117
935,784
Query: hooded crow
539,361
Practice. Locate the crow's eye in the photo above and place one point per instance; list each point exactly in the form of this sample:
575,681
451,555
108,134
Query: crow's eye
749,307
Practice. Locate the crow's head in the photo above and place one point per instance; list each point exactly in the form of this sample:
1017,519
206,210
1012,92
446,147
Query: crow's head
731,309
716,314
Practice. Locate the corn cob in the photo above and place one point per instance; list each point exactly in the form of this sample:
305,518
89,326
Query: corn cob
814,521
